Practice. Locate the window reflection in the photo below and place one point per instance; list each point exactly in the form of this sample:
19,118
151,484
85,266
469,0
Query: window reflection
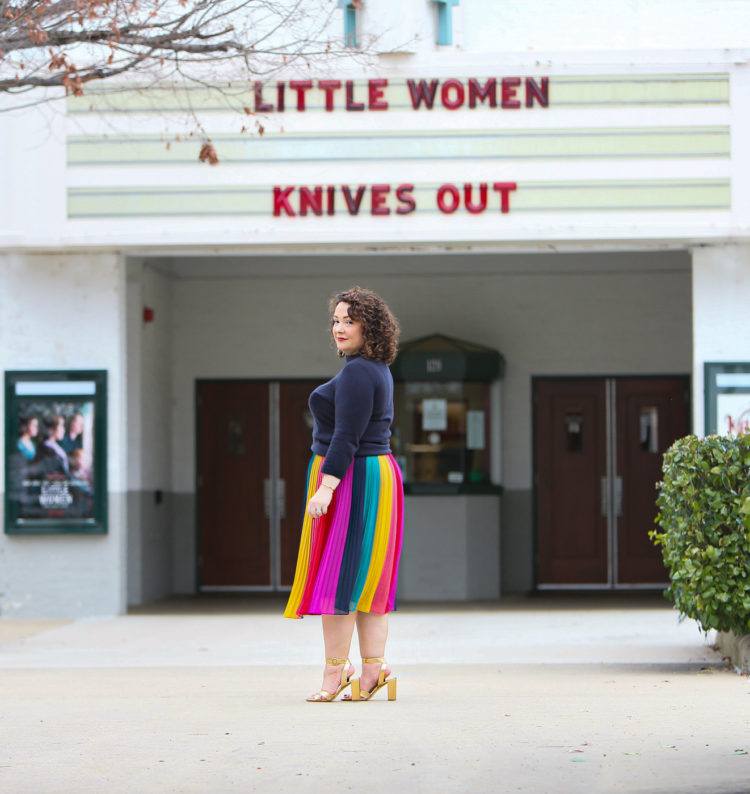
574,432
649,429
440,431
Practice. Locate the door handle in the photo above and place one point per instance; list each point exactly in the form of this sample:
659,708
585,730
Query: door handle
267,498
604,484
618,496
281,503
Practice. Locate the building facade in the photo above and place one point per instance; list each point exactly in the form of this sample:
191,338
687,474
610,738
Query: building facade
523,180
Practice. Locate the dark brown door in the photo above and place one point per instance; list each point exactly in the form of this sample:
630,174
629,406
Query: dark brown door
571,459
233,462
295,437
598,449
253,451
651,414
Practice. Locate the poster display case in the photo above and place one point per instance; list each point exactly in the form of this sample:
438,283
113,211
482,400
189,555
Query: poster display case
56,452
727,389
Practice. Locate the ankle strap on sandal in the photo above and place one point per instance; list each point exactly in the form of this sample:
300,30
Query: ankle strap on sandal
336,662
373,660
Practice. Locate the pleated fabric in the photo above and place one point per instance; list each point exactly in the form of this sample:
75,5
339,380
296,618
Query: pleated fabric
348,558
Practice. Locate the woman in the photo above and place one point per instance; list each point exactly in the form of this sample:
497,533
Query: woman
50,456
353,525
73,438
28,427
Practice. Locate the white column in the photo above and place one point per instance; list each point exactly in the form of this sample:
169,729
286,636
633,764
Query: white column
721,314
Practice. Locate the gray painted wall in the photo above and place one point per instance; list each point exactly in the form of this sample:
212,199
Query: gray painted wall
451,549
517,540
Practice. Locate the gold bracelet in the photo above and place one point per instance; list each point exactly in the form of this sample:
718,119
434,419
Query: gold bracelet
324,485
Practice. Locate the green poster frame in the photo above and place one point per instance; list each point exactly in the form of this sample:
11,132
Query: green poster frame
56,492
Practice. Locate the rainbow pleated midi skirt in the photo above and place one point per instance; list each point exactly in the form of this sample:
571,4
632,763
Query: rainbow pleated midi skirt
348,558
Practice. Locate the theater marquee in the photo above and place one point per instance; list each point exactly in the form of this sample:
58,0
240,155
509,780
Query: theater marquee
424,152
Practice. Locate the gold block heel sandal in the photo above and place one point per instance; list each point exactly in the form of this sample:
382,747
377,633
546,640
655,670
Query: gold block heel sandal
361,694
326,697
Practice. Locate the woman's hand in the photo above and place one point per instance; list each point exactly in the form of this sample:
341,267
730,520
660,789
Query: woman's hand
319,504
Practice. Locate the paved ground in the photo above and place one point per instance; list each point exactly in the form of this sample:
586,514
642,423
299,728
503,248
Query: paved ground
553,694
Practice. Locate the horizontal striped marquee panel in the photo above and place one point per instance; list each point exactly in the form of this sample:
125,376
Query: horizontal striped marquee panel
413,146
522,94
383,200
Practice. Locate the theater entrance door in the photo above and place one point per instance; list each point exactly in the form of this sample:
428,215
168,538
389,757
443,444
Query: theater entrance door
598,450
253,450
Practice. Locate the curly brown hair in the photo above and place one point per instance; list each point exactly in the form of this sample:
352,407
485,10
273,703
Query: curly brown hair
380,328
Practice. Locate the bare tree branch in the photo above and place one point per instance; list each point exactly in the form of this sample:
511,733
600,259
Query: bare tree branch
71,43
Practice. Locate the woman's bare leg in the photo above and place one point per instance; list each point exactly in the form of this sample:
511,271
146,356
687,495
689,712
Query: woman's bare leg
372,630
337,636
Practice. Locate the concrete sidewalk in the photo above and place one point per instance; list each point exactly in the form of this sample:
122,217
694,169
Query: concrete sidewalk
552,694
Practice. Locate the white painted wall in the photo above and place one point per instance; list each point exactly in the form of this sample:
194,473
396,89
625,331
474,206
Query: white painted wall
540,25
721,301
67,312
33,199
544,25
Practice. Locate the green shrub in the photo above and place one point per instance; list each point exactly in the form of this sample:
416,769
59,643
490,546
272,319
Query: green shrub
704,515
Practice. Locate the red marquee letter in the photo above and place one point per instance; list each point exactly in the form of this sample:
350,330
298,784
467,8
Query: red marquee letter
329,86
403,194
504,189
455,199
458,100
353,202
281,201
379,192
488,91
350,103
421,92
311,199
475,209
300,86
508,93
260,105
376,94
540,92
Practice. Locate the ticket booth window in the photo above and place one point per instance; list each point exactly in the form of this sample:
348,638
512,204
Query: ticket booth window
441,432
442,422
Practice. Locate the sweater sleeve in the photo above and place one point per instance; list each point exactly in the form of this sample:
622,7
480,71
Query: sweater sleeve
355,397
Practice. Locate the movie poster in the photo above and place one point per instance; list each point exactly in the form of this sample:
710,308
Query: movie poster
733,414
53,449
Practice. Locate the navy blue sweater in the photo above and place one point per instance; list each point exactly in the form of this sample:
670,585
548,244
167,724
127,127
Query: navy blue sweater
353,414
